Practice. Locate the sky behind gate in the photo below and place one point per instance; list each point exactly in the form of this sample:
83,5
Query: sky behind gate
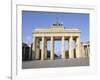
33,19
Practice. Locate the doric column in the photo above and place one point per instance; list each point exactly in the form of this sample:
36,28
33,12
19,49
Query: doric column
63,48
52,49
83,50
78,47
45,45
37,48
29,52
71,55
34,48
42,50
88,50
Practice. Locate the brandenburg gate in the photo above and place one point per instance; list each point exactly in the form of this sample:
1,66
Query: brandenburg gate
56,32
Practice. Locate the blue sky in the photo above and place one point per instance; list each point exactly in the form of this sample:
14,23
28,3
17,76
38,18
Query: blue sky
33,19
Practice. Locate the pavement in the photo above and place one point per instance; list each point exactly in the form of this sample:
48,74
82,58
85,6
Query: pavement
55,63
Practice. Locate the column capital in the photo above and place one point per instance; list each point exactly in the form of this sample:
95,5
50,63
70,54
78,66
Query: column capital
63,36
52,36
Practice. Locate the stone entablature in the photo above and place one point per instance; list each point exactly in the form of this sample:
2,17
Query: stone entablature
71,30
56,31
